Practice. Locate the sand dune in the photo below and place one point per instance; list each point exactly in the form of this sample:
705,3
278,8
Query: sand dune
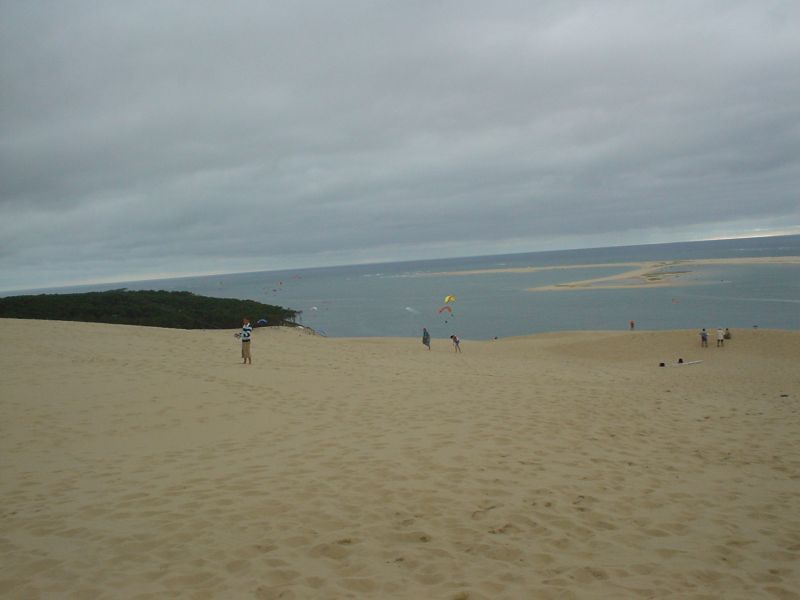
146,464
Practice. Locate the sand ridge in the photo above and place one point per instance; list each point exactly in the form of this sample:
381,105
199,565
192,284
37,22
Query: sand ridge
146,463
639,274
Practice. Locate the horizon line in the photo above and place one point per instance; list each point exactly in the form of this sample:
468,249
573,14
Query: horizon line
165,276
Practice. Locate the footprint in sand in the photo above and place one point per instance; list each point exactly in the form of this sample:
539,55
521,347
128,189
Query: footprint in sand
267,593
332,551
507,528
481,513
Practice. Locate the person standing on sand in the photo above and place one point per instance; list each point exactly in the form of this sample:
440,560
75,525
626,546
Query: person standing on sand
456,343
633,324
704,338
426,338
720,337
247,329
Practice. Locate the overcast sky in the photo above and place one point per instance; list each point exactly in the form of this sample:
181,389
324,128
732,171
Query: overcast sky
146,139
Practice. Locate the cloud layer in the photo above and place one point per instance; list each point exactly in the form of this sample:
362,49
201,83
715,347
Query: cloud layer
153,138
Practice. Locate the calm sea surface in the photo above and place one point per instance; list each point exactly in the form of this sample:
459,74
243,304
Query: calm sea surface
394,300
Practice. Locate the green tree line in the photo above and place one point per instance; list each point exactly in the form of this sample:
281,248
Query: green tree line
180,310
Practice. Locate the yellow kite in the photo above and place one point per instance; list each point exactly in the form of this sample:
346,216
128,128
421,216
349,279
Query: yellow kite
449,299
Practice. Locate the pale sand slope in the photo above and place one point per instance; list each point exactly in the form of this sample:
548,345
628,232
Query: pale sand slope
148,464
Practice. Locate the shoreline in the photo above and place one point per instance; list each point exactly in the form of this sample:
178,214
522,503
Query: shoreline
642,274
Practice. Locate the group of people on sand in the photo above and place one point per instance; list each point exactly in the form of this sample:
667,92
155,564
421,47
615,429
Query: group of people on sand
426,340
247,330
722,335
245,335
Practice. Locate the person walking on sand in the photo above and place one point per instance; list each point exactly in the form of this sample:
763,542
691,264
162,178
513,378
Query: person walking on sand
426,338
704,338
720,337
456,343
247,329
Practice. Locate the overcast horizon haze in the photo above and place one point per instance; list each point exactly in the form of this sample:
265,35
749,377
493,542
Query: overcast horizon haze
161,139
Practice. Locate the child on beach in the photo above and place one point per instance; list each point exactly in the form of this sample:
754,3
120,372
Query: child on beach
720,337
704,338
247,329
456,343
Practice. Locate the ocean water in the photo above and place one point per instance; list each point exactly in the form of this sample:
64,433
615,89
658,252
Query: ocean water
398,299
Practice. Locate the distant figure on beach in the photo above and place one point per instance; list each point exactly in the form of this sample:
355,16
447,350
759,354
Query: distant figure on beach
247,329
720,337
727,335
456,343
704,338
426,338
633,324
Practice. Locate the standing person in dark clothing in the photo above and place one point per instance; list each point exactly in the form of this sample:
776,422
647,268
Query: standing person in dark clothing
426,338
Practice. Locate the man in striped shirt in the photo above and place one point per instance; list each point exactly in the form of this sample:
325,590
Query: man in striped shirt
247,329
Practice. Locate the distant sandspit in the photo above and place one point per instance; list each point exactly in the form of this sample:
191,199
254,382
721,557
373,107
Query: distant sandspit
640,274
145,464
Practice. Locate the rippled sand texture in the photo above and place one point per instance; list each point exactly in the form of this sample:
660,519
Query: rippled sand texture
147,464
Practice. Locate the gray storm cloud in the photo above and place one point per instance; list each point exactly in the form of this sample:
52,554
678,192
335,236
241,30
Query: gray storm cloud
169,137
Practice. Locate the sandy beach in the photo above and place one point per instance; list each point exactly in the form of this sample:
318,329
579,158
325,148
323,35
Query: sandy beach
144,464
660,273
